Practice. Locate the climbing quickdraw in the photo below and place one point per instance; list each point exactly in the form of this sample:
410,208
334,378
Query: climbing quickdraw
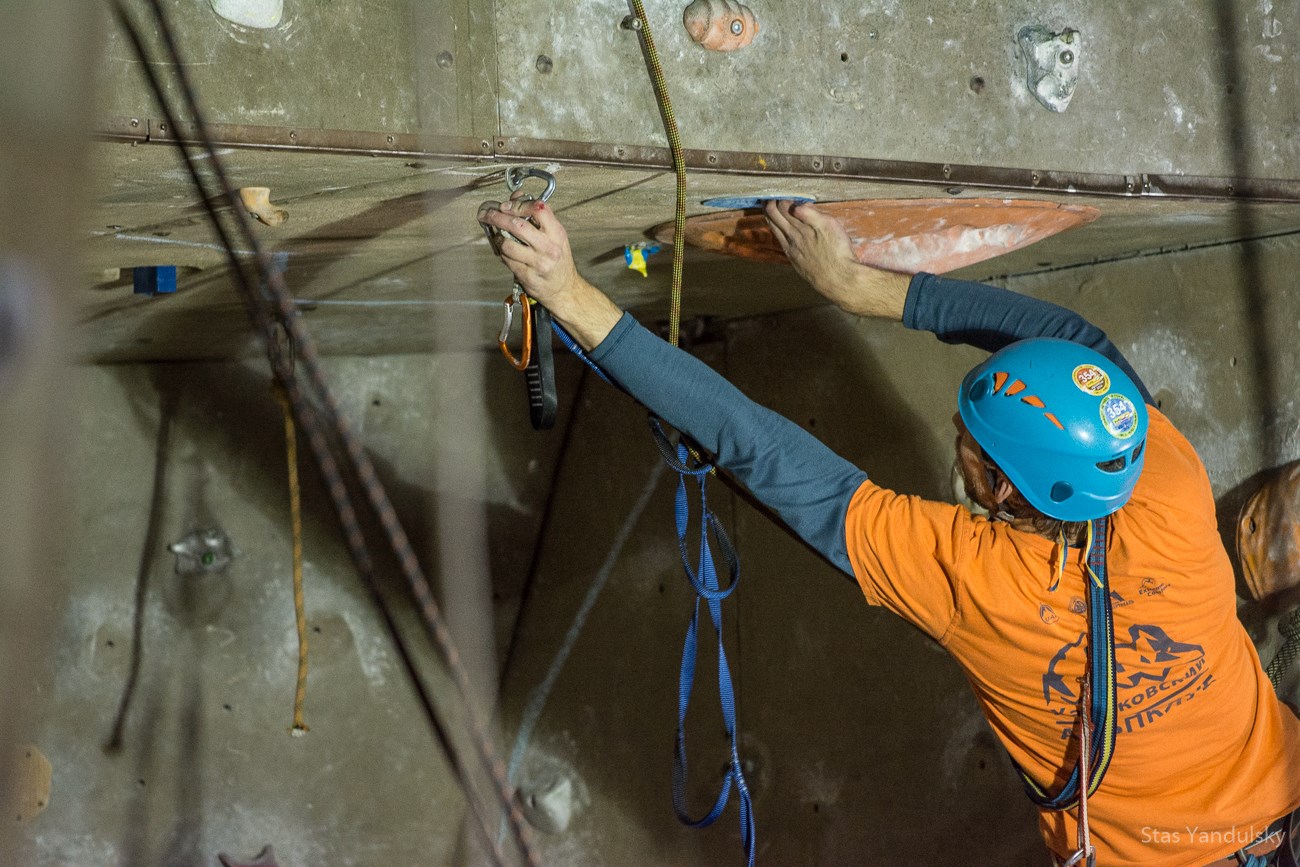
517,299
535,358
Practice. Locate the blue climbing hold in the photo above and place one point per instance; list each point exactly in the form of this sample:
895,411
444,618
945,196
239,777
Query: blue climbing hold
733,203
155,280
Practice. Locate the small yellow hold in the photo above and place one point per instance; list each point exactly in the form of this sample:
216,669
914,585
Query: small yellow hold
635,256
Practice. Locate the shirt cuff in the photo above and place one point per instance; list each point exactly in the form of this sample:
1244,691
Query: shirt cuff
912,305
610,344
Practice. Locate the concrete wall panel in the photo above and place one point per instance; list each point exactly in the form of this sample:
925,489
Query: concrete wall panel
1162,89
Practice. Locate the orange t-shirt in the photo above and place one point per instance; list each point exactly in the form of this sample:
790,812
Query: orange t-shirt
1206,755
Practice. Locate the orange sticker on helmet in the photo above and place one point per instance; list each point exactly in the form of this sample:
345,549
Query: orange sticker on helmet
1092,379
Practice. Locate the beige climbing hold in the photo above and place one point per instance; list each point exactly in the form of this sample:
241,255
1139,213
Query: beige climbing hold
258,202
35,776
720,25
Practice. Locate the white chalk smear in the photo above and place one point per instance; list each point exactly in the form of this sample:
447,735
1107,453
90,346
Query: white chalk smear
178,242
262,14
397,302
537,701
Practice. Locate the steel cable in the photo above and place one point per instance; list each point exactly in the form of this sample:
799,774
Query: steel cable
364,470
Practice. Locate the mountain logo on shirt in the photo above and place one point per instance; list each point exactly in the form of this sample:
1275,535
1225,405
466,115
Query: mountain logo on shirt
1154,673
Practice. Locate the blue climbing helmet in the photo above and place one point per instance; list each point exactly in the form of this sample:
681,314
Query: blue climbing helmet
1064,423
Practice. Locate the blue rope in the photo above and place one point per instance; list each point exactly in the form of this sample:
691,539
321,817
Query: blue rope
572,345
704,579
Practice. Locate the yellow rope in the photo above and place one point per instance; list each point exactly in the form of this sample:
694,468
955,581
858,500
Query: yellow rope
679,168
299,608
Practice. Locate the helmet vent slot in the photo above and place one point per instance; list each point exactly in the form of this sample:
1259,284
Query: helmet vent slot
1061,491
1114,465
1014,388
999,380
1137,451
1033,400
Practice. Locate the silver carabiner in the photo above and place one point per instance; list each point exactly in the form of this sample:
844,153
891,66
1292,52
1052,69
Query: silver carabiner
510,304
516,175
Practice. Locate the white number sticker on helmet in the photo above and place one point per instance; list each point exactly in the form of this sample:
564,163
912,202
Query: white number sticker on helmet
1119,416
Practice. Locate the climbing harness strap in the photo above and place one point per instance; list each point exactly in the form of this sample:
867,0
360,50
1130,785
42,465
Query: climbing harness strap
1098,693
704,579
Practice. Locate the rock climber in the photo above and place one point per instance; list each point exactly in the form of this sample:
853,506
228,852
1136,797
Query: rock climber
1095,590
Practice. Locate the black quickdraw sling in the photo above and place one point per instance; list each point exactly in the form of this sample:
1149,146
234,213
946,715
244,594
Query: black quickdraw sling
1098,697
539,375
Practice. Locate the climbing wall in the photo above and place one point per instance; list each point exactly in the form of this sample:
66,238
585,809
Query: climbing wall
164,706
1161,89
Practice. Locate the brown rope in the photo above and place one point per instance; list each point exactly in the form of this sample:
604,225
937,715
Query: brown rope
299,607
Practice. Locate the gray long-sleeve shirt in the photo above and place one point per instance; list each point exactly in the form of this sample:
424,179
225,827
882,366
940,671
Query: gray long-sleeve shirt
786,468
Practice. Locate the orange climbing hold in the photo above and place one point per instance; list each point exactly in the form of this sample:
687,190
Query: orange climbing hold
904,235
720,25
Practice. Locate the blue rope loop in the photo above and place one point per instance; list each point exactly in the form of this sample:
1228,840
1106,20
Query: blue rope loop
704,580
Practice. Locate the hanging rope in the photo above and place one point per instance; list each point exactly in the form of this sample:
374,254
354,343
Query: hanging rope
642,25
295,511
704,578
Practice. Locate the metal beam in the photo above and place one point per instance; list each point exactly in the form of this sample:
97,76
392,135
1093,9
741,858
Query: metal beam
947,175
